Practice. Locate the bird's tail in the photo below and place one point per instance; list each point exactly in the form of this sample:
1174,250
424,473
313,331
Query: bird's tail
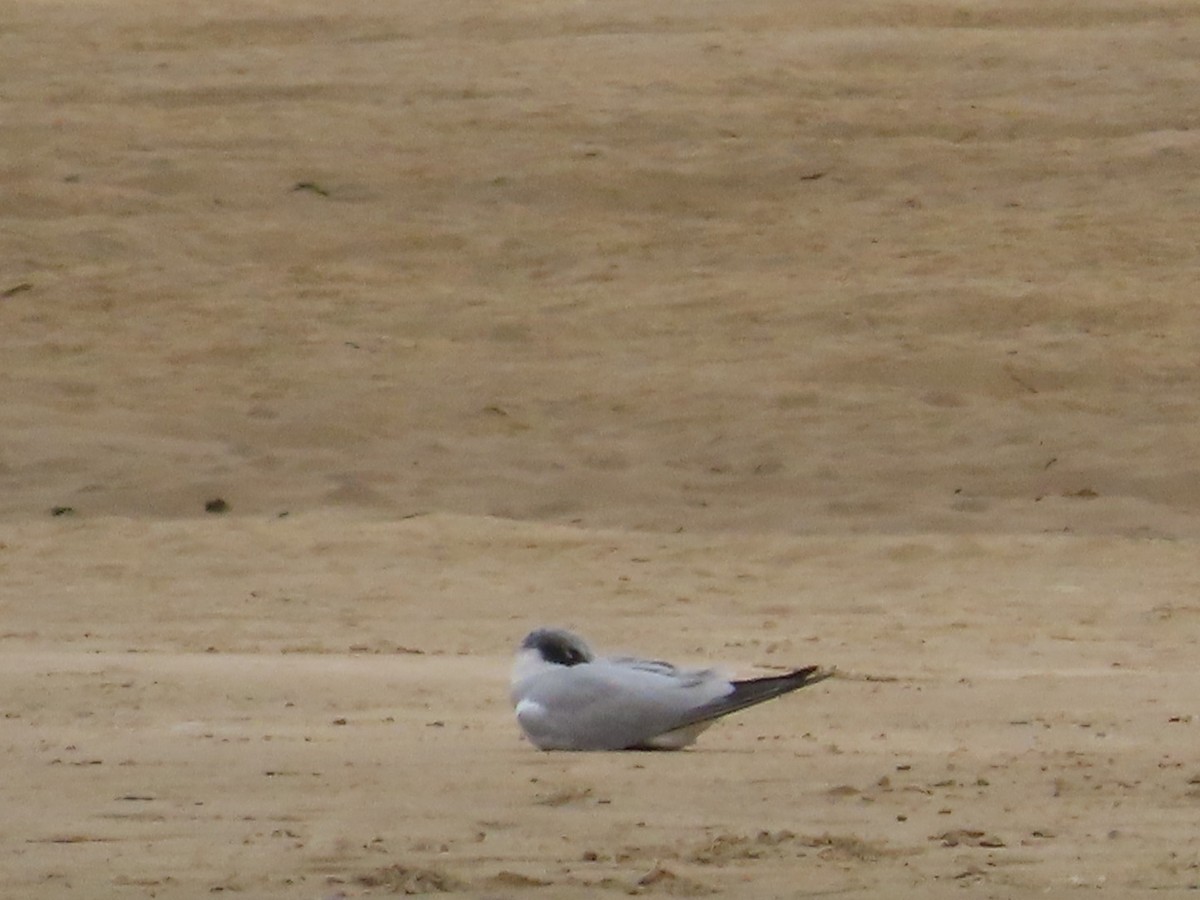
753,691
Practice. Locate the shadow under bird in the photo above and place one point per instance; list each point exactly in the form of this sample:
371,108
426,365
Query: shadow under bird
567,698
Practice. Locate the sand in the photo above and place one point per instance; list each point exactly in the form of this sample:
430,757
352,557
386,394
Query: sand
752,335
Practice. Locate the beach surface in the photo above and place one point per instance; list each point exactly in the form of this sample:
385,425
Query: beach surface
343,345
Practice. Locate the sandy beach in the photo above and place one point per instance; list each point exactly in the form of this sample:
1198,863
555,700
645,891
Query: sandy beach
342,345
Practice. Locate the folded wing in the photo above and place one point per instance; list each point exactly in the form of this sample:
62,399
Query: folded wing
756,690
611,704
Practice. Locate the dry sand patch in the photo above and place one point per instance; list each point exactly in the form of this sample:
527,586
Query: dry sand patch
757,334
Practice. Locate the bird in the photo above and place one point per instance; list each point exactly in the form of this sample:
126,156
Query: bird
567,698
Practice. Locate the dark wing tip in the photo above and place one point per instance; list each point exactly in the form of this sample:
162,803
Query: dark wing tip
811,675
773,685
753,691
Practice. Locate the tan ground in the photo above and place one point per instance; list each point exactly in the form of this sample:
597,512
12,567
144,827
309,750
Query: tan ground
755,333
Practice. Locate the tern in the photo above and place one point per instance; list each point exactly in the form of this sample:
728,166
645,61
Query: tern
567,698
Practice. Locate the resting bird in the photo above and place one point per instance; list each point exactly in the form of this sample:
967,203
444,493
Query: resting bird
567,698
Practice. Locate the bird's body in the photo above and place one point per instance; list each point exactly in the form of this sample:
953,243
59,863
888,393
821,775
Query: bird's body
567,698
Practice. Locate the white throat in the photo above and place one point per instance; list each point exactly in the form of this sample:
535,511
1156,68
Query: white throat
529,662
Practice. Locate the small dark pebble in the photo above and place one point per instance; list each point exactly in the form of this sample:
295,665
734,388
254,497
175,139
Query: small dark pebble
216,506
311,187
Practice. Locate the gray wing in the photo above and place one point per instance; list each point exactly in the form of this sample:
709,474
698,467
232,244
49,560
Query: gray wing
757,690
686,677
613,704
